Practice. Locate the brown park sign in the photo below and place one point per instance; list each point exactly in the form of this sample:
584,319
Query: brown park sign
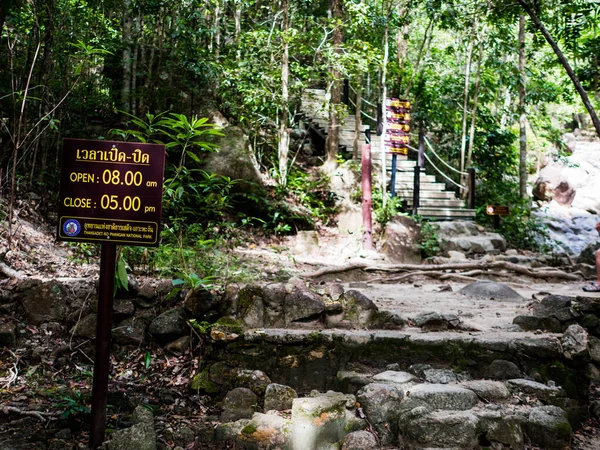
497,210
111,192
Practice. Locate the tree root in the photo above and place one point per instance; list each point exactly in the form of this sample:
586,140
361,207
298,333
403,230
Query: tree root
441,270
38,415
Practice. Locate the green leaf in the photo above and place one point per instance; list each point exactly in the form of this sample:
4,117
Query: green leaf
147,359
121,274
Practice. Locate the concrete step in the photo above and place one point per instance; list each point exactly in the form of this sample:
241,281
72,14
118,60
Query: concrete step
436,202
427,186
408,177
441,195
447,213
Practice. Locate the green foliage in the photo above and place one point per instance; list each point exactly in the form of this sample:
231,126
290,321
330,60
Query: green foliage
201,327
121,280
383,214
82,252
73,404
429,243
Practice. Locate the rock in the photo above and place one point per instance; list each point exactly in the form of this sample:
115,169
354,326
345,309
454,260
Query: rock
8,333
351,382
387,320
263,431
239,403
466,237
202,384
251,306
564,194
401,241
439,376
179,346
533,323
501,430
445,429
594,348
323,420
201,304
141,436
491,290
122,309
349,219
588,254
129,332
487,389
570,142
549,427
434,321
443,396
234,159
501,369
279,397
575,342
86,327
557,306
302,305
543,190
456,256
255,380
335,291
170,325
358,308
541,391
360,440
43,301
307,243
391,376
380,403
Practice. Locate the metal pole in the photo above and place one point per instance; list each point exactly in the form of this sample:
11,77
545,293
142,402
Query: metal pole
471,172
394,168
103,332
416,190
367,241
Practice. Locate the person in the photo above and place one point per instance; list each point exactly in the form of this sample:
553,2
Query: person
595,286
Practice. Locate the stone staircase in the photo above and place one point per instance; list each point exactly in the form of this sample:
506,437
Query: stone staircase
436,203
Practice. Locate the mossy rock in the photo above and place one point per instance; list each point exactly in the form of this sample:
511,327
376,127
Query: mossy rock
202,383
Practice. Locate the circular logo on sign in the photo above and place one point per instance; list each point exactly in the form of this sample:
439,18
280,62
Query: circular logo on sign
71,227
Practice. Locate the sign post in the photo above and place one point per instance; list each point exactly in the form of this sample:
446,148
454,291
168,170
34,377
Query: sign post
397,114
497,211
110,193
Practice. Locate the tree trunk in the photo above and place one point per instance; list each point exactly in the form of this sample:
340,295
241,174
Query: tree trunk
473,116
522,116
126,39
333,132
463,136
357,121
284,134
383,113
563,61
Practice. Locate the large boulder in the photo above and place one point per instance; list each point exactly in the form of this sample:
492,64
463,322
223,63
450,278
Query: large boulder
444,429
360,440
235,158
401,241
444,396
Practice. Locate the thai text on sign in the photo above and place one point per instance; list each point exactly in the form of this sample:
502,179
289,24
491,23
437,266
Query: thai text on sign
111,192
398,126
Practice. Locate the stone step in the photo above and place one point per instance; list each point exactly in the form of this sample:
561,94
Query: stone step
426,186
425,194
407,177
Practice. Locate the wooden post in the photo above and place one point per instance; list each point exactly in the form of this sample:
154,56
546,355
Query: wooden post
416,190
346,92
471,203
394,169
421,160
367,240
102,357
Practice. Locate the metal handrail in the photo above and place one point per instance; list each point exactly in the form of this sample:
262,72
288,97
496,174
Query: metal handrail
438,170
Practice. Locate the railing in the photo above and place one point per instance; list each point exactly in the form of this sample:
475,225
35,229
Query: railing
422,154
